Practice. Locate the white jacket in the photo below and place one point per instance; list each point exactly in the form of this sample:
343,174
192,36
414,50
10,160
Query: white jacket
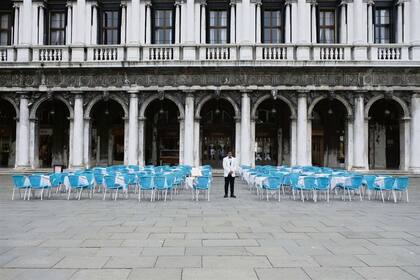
229,164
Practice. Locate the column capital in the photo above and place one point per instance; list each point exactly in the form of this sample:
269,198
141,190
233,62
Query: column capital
370,2
233,2
237,119
202,2
70,4
77,94
303,93
312,2
142,119
133,93
257,2
289,2
178,3
148,3
415,94
23,94
123,3
17,4
189,92
245,92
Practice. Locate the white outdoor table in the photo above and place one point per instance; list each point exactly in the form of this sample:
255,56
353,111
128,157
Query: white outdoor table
339,180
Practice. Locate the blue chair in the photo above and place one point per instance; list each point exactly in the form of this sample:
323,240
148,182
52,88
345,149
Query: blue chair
109,181
19,183
353,184
56,181
202,183
323,184
388,186
160,184
99,180
401,185
145,183
37,184
309,184
369,183
273,184
74,184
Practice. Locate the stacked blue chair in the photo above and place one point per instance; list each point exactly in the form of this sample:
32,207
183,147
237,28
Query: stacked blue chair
74,181
354,184
19,183
322,185
369,183
401,185
110,184
273,185
145,183
37,184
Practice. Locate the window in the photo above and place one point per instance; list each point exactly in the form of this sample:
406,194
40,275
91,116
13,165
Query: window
272,27
110,27
218,27
382,26
5,29
326,26
163,27
57,28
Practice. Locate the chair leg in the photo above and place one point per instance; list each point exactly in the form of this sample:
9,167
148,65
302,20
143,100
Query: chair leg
208,194
139,194
279,194
266,192
197,192
382,195
394,196
104,194
42,192
24,195
13,194
406,193
166,194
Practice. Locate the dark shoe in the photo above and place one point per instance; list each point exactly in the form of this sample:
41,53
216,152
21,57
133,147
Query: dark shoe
225,196
233,196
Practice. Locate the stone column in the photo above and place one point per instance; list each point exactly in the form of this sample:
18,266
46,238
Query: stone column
295,22
360,30
304,30
258,4
399,22
245,128
133,129
370,30
246,30
407,22
203,22
349,143
287,31
302,129
78,130
69,27
313,22
25,32
181,139
141,140
197,141
415,32
405,143
233,21
148,30
41,28
177,22
189,49
16,7
126,139
238,138
309,141
359,133
86,142
189,129
94,34
293,148
343,19
415,133
135,22
23,140
33,143
123,23
78,52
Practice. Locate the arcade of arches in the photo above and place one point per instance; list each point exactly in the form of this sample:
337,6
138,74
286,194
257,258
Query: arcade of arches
345,130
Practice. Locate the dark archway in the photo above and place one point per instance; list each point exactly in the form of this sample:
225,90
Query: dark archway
162,133
107,133
329,118
53,133
272,133
7,134
385,134
217,130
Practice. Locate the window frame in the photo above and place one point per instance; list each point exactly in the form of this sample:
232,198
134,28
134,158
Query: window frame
9,28
50,29
272,27
391,25
102,28
218,7
163,7
335,27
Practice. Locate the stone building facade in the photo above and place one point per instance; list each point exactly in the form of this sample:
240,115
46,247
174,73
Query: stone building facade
86,83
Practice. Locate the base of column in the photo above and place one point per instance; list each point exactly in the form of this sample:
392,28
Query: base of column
189,53
360,53
245,53
133,53
303,53
23,167
359,168
23,54
78,54
414,170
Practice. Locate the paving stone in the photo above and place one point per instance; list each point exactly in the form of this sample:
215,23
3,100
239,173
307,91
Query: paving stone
384,273
235,262
331,273
101,274
281,273
178,261
216,251
163,251
211,274
82,262
56,274
230,243
412,270
130,262
292,261
342,261
33,262
155,274
120,252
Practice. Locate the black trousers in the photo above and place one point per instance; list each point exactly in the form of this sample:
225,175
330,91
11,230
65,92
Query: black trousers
229,180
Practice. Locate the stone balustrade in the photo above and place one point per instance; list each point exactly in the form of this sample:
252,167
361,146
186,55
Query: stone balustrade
229,52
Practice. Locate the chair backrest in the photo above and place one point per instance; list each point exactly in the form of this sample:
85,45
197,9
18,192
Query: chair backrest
294,179
159,181
202,182
89,176
145,181
74,180
370,181
323,183
55,179
356,181
170,180
273,182
109,181
18,181
99,178
35,180
309,182
132,179
389,183
401,183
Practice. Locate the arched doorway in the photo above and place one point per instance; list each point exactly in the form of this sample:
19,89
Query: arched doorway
329,133
53,133
107,133
217,127
7,134
272,133
162,133
385,134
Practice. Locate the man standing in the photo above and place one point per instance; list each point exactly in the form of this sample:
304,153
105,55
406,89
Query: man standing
229,169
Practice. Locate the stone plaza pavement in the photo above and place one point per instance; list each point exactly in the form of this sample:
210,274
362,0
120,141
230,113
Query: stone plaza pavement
241,238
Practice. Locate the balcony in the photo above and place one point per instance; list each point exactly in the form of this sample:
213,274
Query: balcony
205,54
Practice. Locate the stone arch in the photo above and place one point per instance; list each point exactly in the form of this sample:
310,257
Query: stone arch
209,97
13,103
337,97
404,106
98,98
35,106
267,96
150,99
